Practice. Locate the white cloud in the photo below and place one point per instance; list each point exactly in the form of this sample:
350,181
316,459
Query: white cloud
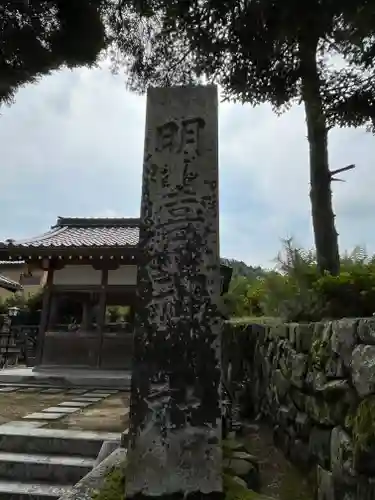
73,145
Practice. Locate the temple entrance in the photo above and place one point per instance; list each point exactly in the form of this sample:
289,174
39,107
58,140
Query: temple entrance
89,329
117,336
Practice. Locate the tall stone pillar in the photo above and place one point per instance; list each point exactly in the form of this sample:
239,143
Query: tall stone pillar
175,434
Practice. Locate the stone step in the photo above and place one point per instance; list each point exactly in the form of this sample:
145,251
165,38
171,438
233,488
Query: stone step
24,467
31,440
14,490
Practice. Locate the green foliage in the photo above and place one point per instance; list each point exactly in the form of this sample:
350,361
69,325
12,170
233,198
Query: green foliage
263,51
39,37
113,487
363,427
295,291
30,304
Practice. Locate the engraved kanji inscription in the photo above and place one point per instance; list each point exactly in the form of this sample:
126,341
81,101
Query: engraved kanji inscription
178,136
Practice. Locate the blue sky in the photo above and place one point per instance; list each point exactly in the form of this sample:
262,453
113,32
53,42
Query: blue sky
72,145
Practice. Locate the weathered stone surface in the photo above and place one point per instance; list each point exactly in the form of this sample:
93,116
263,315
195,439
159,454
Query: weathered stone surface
319,411
321,347
107,448
299,453
298,369
363,369
240,481
319,445
280,331
366,330
292,334
341,453
299,399
282,384
286,414
344,338
95,479
334,367
281,439
303,425
334,389
315,380
365,489
325,484
43,416
304,337
363,432
246,469
175,436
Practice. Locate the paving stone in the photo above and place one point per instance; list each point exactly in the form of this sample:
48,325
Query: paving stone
60,409
44,416
8,389
24,423
97,394
29,389
88,400
77,404
107,391
76,391
52,390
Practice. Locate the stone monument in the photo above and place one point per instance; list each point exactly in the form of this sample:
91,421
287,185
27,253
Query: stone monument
175,432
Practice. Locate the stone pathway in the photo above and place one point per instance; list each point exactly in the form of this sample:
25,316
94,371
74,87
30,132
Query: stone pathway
82,398
42,462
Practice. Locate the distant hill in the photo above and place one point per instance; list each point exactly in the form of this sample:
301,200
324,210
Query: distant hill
242,269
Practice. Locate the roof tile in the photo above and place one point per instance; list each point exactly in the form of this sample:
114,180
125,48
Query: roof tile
82,232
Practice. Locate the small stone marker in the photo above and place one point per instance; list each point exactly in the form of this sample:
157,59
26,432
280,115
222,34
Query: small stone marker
44,416
175,435
60,409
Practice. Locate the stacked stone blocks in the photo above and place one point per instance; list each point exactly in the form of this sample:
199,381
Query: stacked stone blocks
315,383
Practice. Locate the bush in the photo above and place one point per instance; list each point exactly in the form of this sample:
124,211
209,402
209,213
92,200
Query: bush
294,291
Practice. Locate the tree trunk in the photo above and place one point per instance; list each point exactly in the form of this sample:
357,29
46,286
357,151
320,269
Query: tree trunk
326,241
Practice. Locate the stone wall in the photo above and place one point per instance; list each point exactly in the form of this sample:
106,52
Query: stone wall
315,384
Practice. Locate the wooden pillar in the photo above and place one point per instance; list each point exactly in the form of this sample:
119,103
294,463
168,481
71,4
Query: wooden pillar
46,304
101,314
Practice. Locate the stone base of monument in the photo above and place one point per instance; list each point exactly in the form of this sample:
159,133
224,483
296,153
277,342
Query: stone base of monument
68,377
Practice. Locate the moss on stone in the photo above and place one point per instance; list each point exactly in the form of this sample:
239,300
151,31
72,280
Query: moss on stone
293,486
235,491
114,485
320,353
114,488
363,425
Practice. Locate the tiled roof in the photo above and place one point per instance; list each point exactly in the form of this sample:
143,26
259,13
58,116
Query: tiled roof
10,285
84,232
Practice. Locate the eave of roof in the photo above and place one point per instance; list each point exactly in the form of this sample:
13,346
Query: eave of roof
79,233
10,285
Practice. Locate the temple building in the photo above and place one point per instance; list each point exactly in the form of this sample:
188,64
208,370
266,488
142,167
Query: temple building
9,285
89,291
16,272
